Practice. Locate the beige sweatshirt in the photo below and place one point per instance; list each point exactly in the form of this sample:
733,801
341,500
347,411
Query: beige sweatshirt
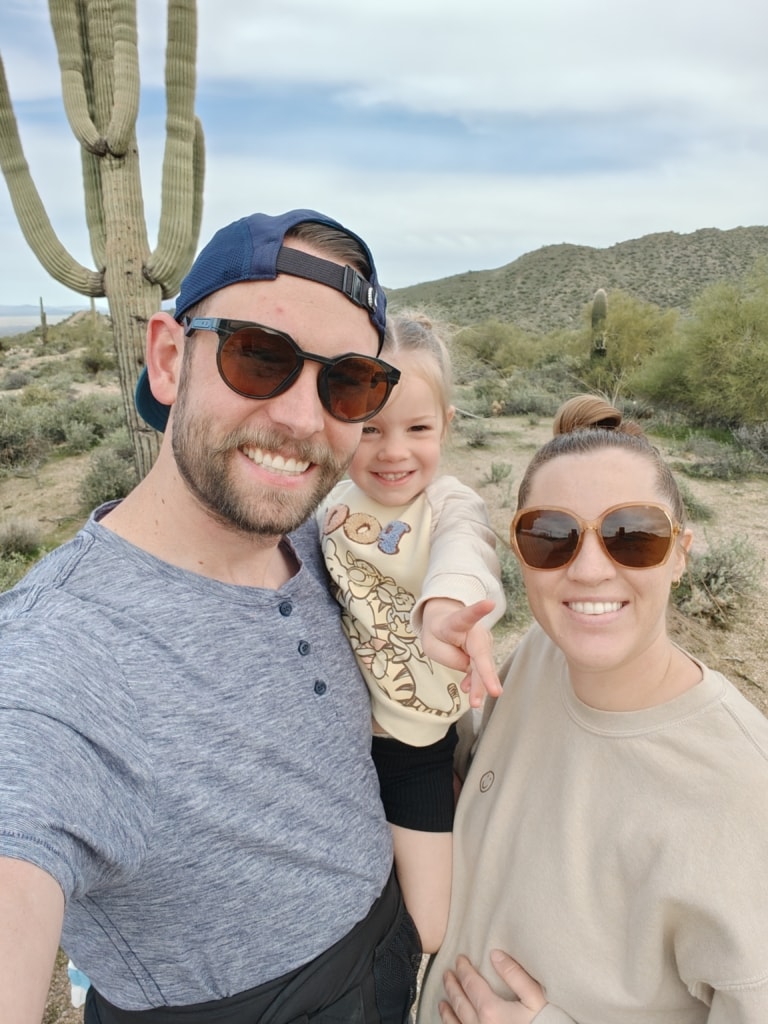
621,858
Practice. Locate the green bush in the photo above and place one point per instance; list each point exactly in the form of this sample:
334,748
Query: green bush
518,611
33,426
97,357
500,471
80,437
476,434
14,380
724,463
108,477
22,439
718,584
694,508
19,537
12,568
754,439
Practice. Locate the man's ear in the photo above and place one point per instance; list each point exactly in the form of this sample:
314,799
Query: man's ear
165,347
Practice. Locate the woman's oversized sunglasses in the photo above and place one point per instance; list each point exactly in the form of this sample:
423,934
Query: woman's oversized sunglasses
261,362
637,536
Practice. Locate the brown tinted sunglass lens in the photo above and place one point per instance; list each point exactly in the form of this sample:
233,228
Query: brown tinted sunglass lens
638,538
547,539
356,388
257,363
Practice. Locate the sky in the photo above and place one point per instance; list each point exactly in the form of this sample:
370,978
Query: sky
453,135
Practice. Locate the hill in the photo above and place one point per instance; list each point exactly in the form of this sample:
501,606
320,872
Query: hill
548,288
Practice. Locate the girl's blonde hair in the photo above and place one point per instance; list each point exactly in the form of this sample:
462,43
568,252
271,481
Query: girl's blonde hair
414,333
588,423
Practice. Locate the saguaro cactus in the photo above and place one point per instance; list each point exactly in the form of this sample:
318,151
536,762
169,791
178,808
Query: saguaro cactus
43,323
599,315
98,57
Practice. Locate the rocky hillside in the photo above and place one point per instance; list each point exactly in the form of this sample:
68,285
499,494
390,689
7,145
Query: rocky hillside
548,288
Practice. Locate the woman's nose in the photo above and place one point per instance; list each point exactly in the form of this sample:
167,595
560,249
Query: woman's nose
592,563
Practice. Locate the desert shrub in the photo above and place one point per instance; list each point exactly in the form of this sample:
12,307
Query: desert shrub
97,357
720,582
694,507
14,380
40,394
19,537
105,412
12,568
108,477
22,440
476,434
517,612
79,437
499,472
754,439
723,463
119,440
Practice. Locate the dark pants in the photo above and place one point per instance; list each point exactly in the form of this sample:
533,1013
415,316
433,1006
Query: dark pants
368,977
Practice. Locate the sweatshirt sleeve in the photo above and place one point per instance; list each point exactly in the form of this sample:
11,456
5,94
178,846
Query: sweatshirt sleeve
463,564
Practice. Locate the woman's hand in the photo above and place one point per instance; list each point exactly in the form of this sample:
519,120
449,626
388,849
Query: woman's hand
471,1000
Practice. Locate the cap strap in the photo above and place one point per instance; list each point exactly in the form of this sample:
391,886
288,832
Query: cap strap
344,279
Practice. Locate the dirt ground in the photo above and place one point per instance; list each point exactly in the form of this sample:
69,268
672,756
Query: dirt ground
50,497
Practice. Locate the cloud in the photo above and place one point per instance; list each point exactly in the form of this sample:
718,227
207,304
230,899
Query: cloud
453,136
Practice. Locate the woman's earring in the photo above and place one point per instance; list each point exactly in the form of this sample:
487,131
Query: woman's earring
676,583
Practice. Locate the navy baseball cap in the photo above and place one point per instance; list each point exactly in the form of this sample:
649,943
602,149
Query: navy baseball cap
251,249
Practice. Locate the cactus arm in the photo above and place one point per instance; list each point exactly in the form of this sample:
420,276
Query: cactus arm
178,215
198,177
30,212
125,106
65,21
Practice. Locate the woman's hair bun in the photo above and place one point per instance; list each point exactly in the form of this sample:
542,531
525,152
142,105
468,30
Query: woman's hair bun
586,412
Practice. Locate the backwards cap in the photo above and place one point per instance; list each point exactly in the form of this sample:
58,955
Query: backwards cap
251,249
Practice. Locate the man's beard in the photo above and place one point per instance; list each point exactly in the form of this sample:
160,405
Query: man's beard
206,467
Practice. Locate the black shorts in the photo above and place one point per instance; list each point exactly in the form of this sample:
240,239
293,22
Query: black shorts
416,783
368,977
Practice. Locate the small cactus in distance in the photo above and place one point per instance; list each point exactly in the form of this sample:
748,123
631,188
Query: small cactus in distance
599,317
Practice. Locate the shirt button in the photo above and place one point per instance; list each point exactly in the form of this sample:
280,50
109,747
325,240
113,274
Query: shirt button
320,687
304,647
285,608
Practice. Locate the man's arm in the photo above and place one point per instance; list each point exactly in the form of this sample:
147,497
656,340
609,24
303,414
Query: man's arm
31,916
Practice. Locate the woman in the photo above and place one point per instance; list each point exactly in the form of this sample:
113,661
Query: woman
612,833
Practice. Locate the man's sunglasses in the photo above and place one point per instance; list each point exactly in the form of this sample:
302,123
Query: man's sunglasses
633,535
261,362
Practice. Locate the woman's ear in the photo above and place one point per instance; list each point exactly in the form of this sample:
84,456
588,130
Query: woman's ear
681,552
165,345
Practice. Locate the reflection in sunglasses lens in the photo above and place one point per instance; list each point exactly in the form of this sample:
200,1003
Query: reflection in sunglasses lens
638,537
260,364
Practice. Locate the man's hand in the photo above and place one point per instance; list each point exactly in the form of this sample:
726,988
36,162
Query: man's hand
452,635
471,1000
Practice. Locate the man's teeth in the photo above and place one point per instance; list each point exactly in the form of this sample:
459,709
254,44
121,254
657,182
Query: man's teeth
275,462
594,607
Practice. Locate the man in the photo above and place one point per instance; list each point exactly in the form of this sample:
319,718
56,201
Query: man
187,800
